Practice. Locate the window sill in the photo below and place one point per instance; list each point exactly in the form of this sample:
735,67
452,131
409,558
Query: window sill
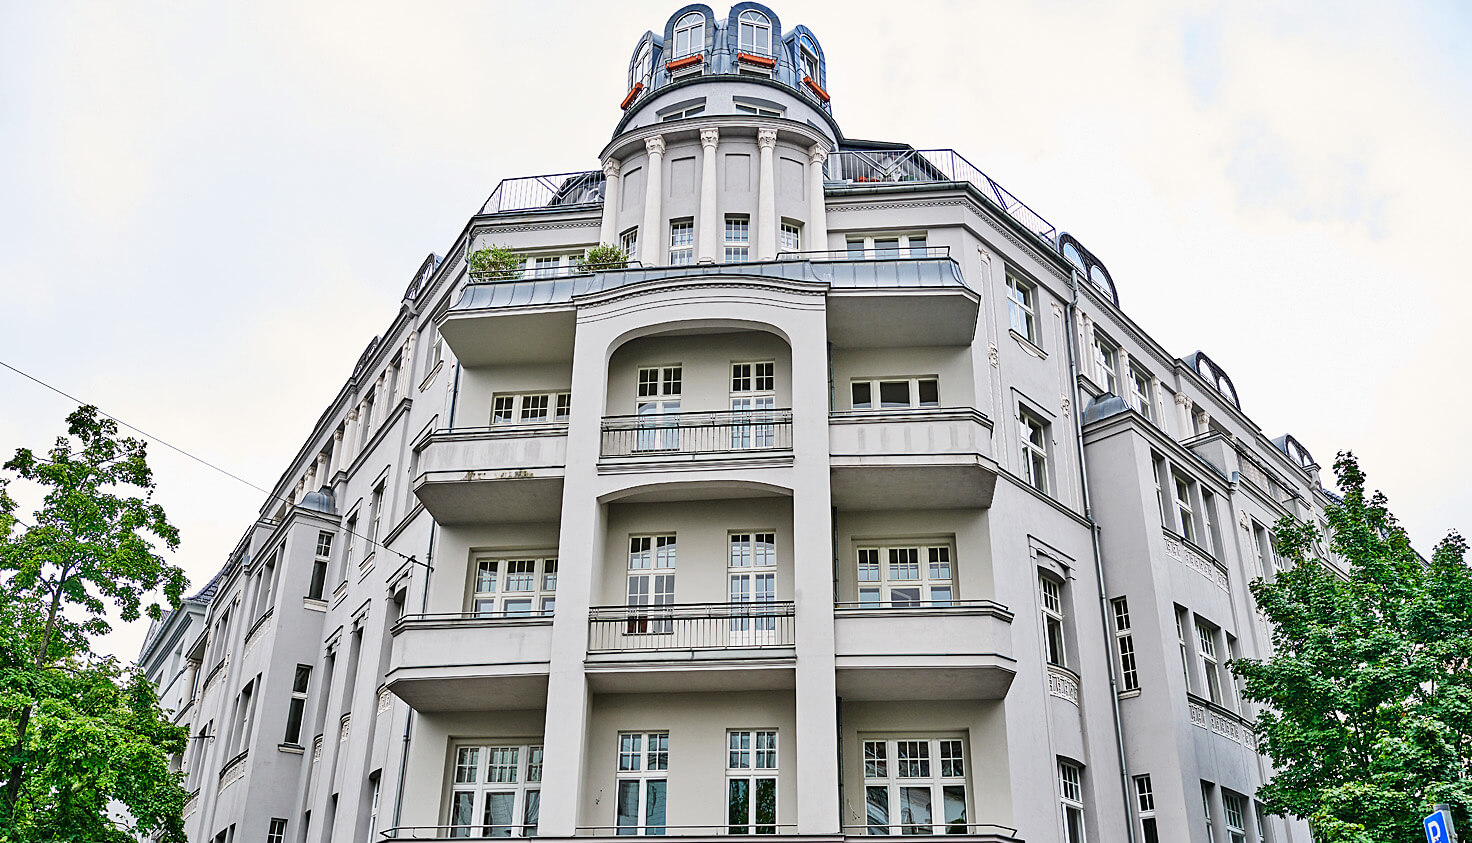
1129,695
429,378
314,604
291,748
1028,345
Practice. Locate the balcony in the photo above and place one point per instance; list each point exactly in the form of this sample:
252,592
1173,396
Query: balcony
558,191
471,661
507,472
936,458
691,647
957,650
727,436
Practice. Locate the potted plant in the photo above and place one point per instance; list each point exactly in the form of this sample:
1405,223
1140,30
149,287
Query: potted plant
496,263
602,257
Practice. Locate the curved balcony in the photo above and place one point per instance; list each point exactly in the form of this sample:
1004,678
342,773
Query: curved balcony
507,472
959,649
935,458
462,661
725,436
692,647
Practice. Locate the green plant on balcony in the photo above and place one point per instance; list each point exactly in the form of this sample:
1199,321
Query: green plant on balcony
496,263
601,257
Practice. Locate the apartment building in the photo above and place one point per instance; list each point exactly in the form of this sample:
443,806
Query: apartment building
854,505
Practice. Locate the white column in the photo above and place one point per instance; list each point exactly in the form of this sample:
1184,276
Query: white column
376,417
406,366
1183,414
1158,392
296,496
608,230
766,197
708,232
337,463
350,439
321,471
649,233
817,233
1089,367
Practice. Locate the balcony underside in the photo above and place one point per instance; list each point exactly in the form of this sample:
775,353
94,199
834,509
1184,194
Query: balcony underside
972,677
462,662
428,690
465,497
920,481
880,317
509,334
951,652
686,671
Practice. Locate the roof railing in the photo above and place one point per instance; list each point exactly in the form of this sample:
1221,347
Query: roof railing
557,190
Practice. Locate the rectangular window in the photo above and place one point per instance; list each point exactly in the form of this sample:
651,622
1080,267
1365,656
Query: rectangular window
681,114
1021,305
751,782
1034,450
320,561
738,238
1234,811
1141,397
1051,593
1129,677
629,242
1157,466
915,786
436,352
375,507
1206,810
643,771
791,237
276,832
1208,521
651,582
658,403
1106,363
514,587
351,533
298,706
753,398
1181,640
682,243
1262,547
1184,521
751,573
497,791
1145,795
546,267
1264,834
1206,648
901,393
747,108
530,408
887,247
1071,798
907,576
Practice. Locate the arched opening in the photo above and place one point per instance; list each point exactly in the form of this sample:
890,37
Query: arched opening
807,56
754,33
642,64
689,35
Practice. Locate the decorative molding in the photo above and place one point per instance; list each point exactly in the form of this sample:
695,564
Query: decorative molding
1181,551
192,805
344,727
710,138
654,145
897,206
317,749
1065,407
611,168
1057,310
817,155
993,355
385,700
1198,714
1062,684
234,771
765,138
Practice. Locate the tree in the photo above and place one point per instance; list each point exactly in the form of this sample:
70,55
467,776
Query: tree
496,263
78,730
601,257
1367,696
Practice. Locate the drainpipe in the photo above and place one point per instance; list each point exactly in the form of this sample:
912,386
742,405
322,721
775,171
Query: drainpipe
409,718
1104,608
454,395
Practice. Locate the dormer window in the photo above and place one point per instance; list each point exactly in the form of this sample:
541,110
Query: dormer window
689,35
643,61
808,53
755,33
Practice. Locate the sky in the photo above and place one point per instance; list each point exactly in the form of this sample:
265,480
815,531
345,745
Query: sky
207,210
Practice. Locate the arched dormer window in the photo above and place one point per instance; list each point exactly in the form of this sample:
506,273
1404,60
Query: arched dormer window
1213,375
1089,266
807,54
754,33
1070,254
643,62
689,35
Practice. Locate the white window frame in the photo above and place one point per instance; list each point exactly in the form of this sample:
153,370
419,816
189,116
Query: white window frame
737,238
689,111
1206,810
789,236
1264,832
276,831
751,580
1206,651
512,585
934,765
1022,308
1142,396
322,562
472,766
548,266
682,242
1071,801
530,408
629,242
754,396
758,24
296,710
1185,651
1124,640
882,569
875,387
639,71
643,762
1106,363
757,110
1034,440
808,57
650,581
1157,466
689,36
1185,522
887,246
1235,814
1050,603
658,393
1145,799
752,760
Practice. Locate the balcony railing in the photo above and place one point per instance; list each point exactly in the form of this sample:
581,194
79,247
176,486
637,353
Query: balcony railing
558,190
727,431
888,254
690,626
931,165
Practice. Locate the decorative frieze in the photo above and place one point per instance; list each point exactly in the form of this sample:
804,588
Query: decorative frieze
234,771
344,727
385,700
1193,559
1062,684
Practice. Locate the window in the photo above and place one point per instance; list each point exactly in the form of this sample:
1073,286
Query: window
915,786
1145,795
758,110
751,782
1234,681
738,238
1051,593
1233,809
1206,641
1184,521
643,770
906,576
639,70
753,397
320,562
1141,393
515,587
1208,523
376,508
1021,304
352,536
1206,810
629,242
1034,451
808,54
754,33
651,580
276,832
752,577
791,234
887,247
681,113
531,408
1263,833
1106,361
298,706
1262,545
682,243
548,267
689,35
895,393
659,395
497,791
1181,640
436,351
1129,677
1071,797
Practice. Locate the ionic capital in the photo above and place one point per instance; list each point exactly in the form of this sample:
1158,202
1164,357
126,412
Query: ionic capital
766,138
611,168
817,155
709,138
654,145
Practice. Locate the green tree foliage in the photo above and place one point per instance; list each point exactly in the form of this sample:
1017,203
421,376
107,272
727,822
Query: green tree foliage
496,263
603,256
79,731
1368,693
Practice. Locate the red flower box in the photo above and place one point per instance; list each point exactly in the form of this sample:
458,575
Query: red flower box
680,64
763,61
813,86
633,92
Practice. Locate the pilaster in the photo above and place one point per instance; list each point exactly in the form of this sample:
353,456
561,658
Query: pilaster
649,232
766,197
708,231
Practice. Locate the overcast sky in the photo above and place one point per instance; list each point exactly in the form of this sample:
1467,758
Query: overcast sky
208,209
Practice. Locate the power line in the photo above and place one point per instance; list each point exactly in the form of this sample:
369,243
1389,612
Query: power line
146,435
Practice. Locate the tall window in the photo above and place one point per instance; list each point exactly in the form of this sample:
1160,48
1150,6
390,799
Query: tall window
1034,451
752,577
1264,835
643,770
1052,602
1206,648
531,408
351,533
298,706
682,242
659,395
1234,811
913,575
808,54
895,393
320,561
1140,393
1208,522
1106,363
1071,798
515,587
639,70
755,33
1181,640
751,782
276,833
915,786
887,247
1157,465
629,242
375,507
738,238
1145,794
497,791
1129,676
1021,301
1206,810
1262,546
791,235
1184,522
651,580
689,35
753,395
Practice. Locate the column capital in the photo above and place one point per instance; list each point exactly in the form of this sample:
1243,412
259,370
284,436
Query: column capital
611,168
766,138
337,435
1182,400
817,154
710,137
654,145
353,414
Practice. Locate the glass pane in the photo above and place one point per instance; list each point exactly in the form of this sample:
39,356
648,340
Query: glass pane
498,813
531,813
461,806
863,400
766,806
894,393
929,392
904,596
628,807
955,808
654,807
915,810
876,801
940,596
738,805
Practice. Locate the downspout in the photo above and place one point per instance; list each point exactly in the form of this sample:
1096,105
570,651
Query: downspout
454,395
409,718
1104,608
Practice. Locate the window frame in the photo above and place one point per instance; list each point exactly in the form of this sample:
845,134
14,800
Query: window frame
904,246
541,600
525,787
1185,520
931,590
1034,454
1145,802
643,760
1124,642
1142,392
742,24
1071,801
913,395
321,564
1053,616
789,232
1106,362
692,26
682,242
736,234
556,407
1022,309
628,240
884,771
296,710
1210,663
744,757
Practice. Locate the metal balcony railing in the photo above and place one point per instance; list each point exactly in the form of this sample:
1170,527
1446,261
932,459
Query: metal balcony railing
723,432
557,190
888,254
931,165
690,626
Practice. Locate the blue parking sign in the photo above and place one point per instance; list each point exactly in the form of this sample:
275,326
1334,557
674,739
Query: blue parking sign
1439,827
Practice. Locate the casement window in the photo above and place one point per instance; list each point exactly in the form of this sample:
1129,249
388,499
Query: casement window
1185,523
320,561
754,33
689,35
915,786
682,242
1206,811
1206,649
514,587
753,394
651,581
1262,546
1208,521
790,237
497,791
902,393
436,351
1157,467
1181,640
643,63
1234,682
1021,308
1106,363
751,574
375,508
757,110
887,246
643,771
1234,813
549,266
297,708
681,114
1145,798
751,782
1124,639
351,533
531,408
365,417
1050,592
629,242
375,787
1034,450
738,238
245,705
1141,393
807,53
1264,834
276,832
1071,800
658,395
906,576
